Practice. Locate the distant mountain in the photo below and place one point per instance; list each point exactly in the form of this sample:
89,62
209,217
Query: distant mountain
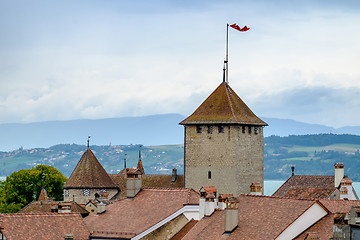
148,130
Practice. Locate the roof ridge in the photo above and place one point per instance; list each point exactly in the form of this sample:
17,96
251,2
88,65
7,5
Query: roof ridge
230,103
167,189
265,196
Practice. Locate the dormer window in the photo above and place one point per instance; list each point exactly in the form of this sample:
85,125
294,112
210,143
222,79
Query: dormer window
198,129
210,129
221,129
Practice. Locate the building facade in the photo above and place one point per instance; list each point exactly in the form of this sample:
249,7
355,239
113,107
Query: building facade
223,144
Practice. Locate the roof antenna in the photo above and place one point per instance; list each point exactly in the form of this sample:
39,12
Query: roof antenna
224,72
125,161
140,152
88,141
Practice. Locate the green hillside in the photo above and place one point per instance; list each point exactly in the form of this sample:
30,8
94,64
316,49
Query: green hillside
310,154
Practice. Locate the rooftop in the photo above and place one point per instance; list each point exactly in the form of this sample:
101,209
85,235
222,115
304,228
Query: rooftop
89,173
223,106
46,226
130,217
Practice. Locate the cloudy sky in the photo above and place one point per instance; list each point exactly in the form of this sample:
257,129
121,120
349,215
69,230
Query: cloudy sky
62,60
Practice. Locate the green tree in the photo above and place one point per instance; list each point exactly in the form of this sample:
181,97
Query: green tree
24,186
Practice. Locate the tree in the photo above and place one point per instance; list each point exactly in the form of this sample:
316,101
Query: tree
24,186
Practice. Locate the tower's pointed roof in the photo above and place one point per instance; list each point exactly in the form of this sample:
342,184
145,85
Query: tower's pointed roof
43,195
140,167
89,173
223,106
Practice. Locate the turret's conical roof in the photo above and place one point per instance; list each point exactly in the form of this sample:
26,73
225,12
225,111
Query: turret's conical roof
89,173
223,106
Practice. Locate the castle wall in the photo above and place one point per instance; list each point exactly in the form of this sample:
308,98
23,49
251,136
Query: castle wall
78,194
234,158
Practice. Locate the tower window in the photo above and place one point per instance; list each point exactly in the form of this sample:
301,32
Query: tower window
210,129
249,129
67,192
209,174
256,130
198,129
86,192
243,129
221,129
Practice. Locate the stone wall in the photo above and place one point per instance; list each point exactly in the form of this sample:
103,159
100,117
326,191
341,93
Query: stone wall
234,158
78,194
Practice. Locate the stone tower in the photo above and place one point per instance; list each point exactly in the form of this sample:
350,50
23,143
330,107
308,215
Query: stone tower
88,180
223,144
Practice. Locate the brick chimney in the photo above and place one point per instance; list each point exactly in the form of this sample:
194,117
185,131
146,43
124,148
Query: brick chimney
256,188
231,215
339,173
133,182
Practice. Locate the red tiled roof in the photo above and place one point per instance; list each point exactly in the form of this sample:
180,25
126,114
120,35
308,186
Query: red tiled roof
49,226
307,186
149,181
260,217
223,106
133,216
49,206
89,173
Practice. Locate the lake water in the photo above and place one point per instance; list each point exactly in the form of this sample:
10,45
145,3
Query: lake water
270,186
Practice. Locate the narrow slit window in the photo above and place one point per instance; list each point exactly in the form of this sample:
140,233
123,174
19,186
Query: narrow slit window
210,129
249,129
256,130
243,129
198,129
209,174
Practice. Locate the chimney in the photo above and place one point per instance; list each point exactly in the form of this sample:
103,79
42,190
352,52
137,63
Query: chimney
101,208
222,200
133,182
174,175
69,237
346,189
292,170
339,173
231,215
207,202
256,188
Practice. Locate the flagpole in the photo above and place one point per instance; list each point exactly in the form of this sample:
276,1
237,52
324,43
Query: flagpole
227,54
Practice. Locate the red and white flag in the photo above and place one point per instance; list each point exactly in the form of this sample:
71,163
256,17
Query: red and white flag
235,26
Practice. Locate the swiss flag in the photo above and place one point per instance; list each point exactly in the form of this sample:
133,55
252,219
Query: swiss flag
235,26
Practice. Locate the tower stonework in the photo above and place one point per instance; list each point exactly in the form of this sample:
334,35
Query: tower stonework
223,144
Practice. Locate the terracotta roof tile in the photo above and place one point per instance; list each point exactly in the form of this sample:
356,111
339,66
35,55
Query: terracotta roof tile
149,180
50,206
49,226
89,173
307,186
133,216
260,217
223,106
